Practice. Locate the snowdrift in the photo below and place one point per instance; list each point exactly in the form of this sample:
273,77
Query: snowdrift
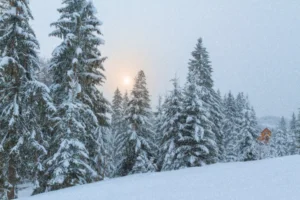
273,179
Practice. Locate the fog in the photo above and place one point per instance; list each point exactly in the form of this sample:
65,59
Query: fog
254,45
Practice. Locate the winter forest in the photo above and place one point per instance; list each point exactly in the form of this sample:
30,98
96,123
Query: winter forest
58,130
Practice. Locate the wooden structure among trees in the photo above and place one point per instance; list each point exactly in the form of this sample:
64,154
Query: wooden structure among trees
265,136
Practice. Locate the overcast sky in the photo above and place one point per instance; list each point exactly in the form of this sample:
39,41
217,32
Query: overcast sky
254,45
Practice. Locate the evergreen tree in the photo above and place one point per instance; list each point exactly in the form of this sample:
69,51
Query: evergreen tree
217,116
248,144
139,147
292,135
240,126
297,135
273,147
171,123
120,138
281,138
241,107
196,144
116,124
77,146
25,102
200,69
105,158
230,128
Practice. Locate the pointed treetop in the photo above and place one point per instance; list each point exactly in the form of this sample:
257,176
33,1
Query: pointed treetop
199,66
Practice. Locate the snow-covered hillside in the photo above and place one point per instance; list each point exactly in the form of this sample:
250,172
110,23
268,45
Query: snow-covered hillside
273,179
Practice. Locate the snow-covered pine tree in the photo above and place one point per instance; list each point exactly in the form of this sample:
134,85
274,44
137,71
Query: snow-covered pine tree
230,128
273,147
281,138
297,134
217,116
139,147
195,147
116,124
105,160
209,110
25,102
241,129
171,123
291,133
77,144
200,65
241,107
248,135
119,140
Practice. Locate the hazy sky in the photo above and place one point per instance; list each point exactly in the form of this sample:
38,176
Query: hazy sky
254,45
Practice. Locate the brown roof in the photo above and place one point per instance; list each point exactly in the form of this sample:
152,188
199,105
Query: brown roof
266,130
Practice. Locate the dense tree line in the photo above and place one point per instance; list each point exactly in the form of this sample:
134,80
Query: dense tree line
55,129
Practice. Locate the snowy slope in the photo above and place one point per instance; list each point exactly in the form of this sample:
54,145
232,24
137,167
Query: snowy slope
274,179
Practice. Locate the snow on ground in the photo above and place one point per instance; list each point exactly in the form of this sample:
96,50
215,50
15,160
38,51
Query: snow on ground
25,190
273,179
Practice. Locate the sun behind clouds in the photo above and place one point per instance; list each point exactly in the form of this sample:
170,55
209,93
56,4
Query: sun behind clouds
127,81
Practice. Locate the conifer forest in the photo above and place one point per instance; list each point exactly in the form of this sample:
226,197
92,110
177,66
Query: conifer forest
58,129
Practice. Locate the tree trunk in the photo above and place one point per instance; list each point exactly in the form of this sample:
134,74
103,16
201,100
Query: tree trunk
12,179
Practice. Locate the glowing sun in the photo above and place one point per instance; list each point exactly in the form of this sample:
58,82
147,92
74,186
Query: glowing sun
127,80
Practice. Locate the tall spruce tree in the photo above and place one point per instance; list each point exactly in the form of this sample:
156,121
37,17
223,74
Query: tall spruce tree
77,150
203,116
139,147
25,102
171,123
201,70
